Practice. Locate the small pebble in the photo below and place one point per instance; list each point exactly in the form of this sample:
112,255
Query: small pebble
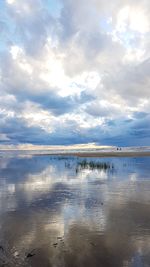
92,244
16,254
59,238
1,248
29,255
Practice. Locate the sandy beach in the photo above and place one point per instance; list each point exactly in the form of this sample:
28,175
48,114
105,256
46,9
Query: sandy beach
102,154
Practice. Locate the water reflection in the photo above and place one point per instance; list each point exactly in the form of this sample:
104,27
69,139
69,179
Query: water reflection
54,215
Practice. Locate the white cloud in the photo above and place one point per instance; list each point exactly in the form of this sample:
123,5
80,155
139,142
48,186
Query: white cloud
139,20
10,1
134,55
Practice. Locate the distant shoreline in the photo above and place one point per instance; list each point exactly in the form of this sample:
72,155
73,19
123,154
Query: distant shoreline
101,154
96,154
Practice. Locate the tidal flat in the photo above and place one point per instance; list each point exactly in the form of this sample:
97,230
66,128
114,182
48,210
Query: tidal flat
70,211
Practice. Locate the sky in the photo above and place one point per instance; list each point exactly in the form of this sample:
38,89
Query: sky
75,72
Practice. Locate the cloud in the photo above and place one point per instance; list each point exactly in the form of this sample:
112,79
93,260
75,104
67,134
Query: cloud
74,72
33,24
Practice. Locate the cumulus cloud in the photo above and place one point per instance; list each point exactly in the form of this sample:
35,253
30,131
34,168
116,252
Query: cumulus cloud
74,72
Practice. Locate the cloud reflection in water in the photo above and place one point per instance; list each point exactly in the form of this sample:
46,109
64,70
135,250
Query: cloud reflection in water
85,218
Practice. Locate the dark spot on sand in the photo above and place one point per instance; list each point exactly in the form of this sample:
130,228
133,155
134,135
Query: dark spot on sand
55,245
30,254
1,248
92,244
59,238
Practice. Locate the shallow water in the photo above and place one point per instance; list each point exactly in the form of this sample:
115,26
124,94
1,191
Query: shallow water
73,212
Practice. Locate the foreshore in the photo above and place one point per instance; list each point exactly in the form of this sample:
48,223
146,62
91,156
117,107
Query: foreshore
78,153
102,154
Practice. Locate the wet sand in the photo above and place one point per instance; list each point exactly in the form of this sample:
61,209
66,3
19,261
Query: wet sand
113,154
102,154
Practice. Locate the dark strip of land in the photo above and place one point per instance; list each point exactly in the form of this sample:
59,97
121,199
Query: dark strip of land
113,154
103,154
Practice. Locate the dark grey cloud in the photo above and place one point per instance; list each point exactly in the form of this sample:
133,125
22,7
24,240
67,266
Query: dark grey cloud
130,132
121,132
18,132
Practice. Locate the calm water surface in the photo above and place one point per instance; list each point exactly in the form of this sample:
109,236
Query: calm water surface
71,212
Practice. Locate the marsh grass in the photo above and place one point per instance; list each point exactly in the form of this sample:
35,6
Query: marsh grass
84,164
